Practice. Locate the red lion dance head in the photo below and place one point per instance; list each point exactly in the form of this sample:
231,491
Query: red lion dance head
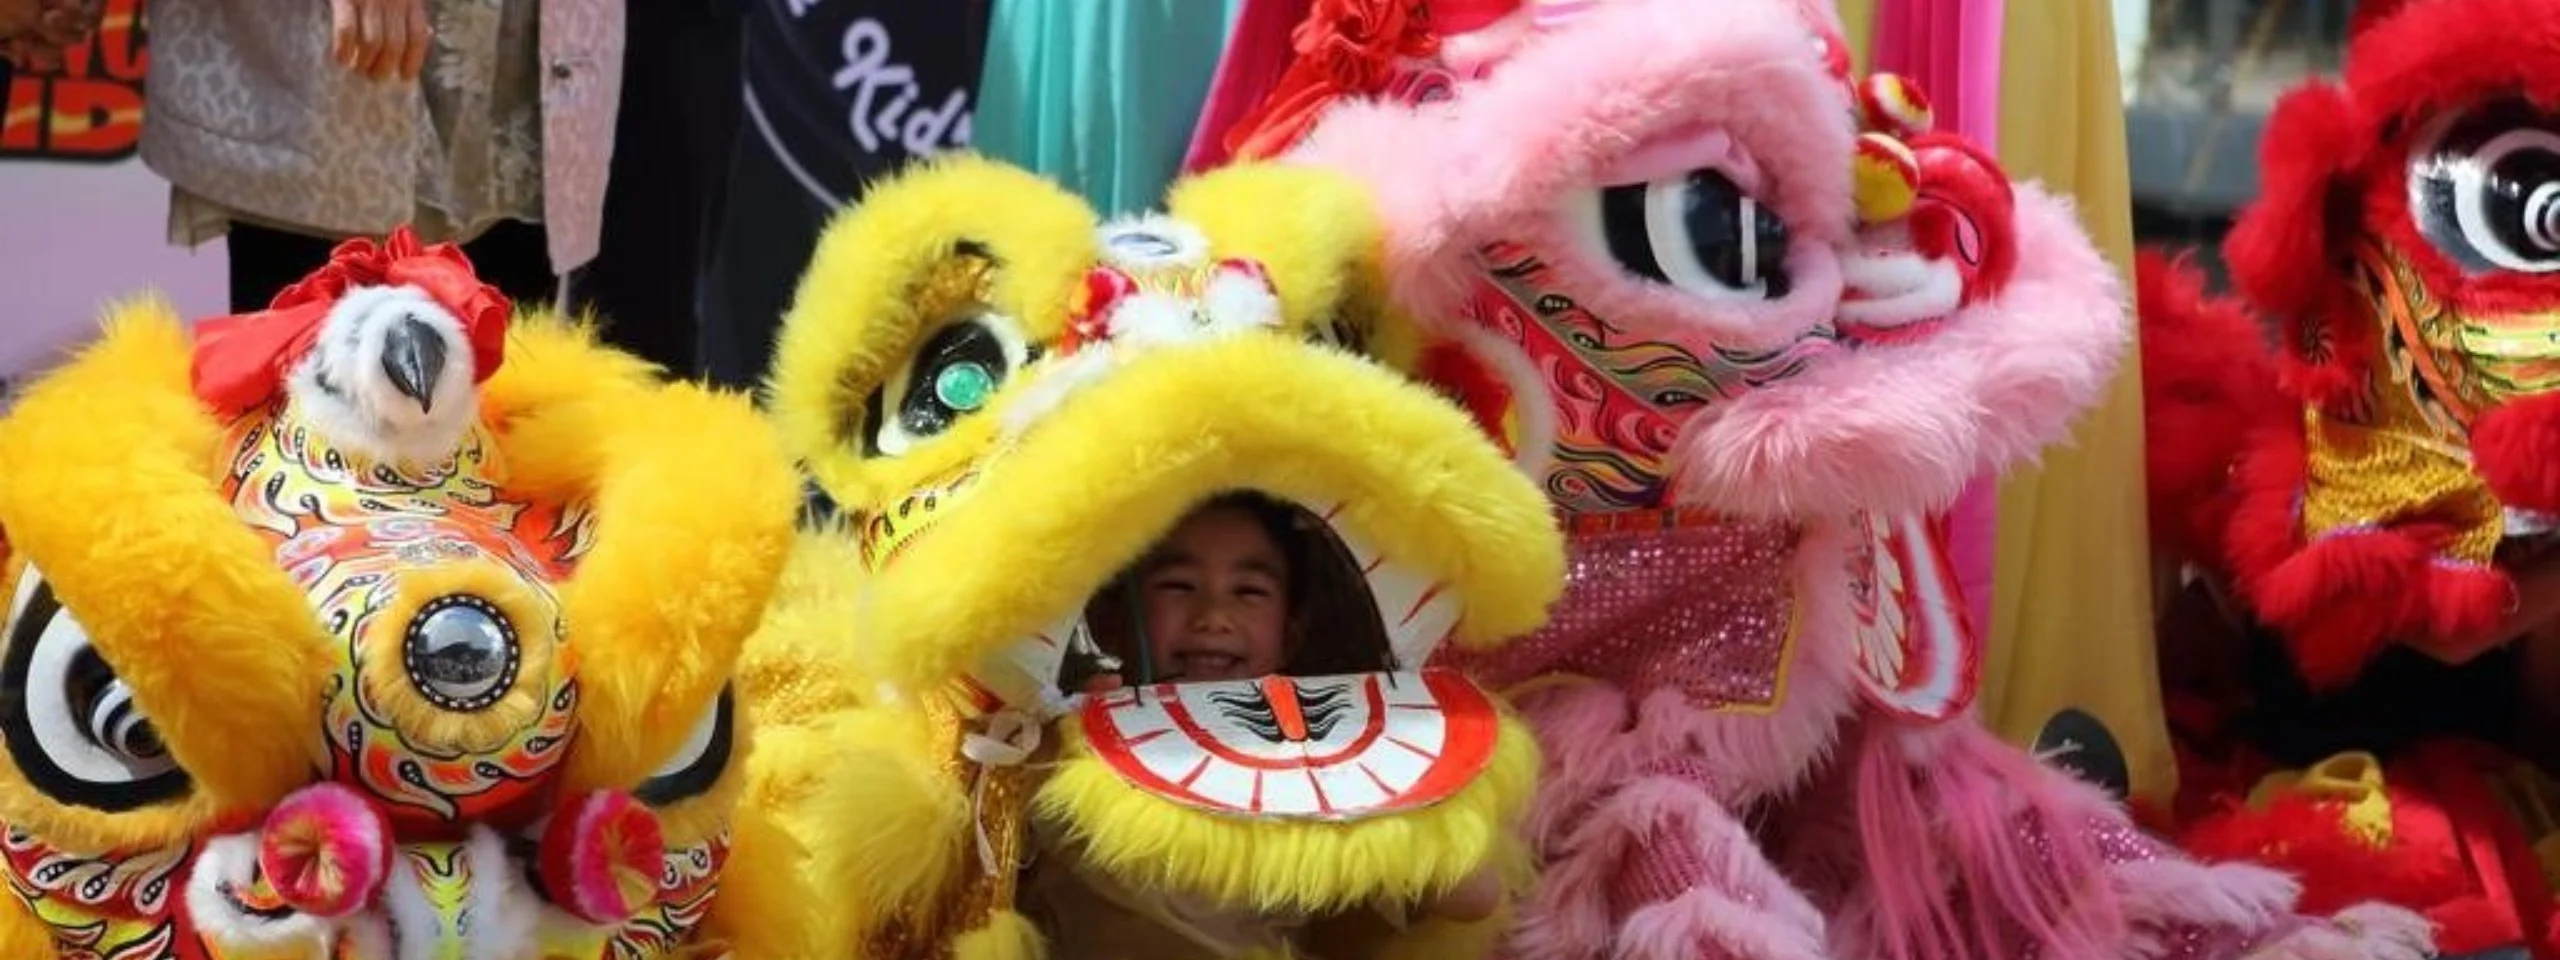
2407,244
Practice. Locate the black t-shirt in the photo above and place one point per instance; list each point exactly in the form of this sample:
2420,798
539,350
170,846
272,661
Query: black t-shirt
2402,697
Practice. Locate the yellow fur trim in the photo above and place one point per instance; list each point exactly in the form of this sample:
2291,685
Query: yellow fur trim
1007,936
675,471
111,489
871,794
385,671
1108,474
764,910
1290,865
1316,233
855,314
21,934
552,359
794,668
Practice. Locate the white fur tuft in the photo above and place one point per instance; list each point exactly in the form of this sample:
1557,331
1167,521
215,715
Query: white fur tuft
232,861
499,922
1150,319
368,418
1057,381
1238,301
1898,288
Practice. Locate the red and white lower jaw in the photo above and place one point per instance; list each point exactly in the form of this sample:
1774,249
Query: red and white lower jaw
1298,748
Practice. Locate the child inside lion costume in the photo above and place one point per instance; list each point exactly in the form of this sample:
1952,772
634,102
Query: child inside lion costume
1012,401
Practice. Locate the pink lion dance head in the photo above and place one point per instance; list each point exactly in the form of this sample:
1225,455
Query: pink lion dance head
1750,321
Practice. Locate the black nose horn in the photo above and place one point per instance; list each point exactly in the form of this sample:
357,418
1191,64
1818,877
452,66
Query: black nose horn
413,356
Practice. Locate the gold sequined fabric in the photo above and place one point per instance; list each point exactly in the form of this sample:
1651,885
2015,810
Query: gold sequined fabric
927,933
2367,478
2401,454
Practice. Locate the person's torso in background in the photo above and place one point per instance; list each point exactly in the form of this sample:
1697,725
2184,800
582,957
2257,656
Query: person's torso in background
512,117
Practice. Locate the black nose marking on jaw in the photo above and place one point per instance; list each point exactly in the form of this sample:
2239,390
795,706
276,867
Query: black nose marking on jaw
413,355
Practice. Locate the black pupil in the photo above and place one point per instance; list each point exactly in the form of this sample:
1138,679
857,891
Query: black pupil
2514,220
921,412
1722,237
2524,227
109,721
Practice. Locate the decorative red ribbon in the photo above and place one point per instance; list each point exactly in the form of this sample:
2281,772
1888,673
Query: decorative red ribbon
241,361
1346,48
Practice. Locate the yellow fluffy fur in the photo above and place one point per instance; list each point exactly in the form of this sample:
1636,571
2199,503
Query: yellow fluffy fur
1290,866
1315,426
110,484
860,315
674,470
109,473
855,664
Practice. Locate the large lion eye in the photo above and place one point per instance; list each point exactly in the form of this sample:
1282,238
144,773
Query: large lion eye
698,762
956,373
2485,190
1699,232
71,725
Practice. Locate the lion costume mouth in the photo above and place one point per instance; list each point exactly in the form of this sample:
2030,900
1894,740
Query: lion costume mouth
1014,401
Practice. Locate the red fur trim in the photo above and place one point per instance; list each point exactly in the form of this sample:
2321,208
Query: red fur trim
2340,600
2285,249
2208,383
2427,60
2516,449
2310,838
2368,14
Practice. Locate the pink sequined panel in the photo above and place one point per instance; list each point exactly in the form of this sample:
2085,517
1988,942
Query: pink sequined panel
1704,607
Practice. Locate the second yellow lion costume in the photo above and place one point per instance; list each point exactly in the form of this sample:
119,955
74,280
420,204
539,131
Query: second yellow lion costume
1012,400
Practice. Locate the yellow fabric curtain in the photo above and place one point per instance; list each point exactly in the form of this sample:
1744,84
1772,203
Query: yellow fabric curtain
2071,623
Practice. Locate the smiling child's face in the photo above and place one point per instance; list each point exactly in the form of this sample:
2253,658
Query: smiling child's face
1217,599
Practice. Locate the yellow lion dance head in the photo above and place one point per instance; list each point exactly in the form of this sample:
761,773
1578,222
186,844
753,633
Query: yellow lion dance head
378,663
1013,401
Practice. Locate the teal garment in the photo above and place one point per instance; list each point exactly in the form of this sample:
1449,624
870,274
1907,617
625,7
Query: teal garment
1101,95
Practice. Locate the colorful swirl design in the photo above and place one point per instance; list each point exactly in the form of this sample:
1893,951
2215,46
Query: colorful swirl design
685,890
1620,401
104,907
345,535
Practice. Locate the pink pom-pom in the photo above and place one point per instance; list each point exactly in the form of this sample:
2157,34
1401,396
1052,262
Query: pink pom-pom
325,850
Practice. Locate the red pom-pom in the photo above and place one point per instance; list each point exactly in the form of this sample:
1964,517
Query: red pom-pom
601,857
325,850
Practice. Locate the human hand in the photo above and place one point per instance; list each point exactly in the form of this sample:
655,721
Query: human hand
1473,899
379,38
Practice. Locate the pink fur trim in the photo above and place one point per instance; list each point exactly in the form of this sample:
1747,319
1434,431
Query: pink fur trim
1703,924
325,850
2369,932
1905,427
2233,895
1951,811
1501,161
1662,835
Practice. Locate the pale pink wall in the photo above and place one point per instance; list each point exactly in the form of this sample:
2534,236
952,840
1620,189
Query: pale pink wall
75,236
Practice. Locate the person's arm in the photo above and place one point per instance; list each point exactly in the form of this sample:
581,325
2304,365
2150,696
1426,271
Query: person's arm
1473,899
